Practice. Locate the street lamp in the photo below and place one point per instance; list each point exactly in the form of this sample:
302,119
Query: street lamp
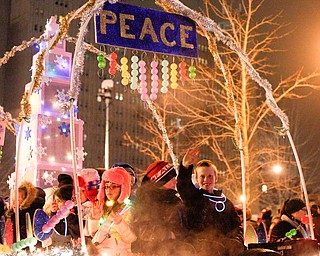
104,93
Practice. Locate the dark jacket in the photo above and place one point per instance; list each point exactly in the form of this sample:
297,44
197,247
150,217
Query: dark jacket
70,225
156,220
281,228
208,217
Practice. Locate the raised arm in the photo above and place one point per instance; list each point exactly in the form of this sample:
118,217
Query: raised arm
188,192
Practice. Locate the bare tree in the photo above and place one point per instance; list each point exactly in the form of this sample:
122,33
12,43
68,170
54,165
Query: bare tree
207,115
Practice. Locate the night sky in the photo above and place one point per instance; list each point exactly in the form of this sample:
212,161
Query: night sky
302,50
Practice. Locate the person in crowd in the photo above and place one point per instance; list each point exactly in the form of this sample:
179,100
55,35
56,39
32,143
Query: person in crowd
210,218
114,235
2,219
264,226
63,179
89,183
251,234
250,221
30,199
156,213
292,212
66,232
134,177
315,211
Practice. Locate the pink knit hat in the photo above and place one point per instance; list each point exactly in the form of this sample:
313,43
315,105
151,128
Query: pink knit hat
117,175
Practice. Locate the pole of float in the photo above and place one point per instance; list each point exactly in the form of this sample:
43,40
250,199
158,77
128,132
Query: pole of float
16,186
75,175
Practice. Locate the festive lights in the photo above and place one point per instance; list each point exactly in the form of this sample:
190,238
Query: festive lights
134,72
85,12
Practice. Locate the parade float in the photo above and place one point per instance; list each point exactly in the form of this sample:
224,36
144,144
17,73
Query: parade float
48,126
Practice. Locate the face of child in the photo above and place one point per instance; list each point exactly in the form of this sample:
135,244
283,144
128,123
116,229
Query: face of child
112,191
83,196
171,184
300,214
60,202
205,176
21,196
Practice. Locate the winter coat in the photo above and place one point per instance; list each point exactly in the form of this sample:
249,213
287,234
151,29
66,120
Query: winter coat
114,241
285,225
67,228
156,219
34,200
210,218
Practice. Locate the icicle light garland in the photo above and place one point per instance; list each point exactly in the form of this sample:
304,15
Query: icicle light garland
162,128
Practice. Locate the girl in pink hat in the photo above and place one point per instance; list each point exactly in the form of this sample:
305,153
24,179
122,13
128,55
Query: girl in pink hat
110,217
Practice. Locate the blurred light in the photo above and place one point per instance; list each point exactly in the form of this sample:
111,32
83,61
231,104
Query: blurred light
69,156
51,159
36,47
277,169
264,188
242,198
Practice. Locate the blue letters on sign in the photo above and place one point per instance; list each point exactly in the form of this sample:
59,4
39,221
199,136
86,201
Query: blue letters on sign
140,28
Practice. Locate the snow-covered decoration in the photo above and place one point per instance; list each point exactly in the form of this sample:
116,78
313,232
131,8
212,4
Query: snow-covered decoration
45,80
61,62
28,133
44,121
41,150
11,180
48,178
62,96
80,153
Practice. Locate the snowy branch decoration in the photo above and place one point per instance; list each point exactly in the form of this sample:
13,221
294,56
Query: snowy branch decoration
81,154
61,62
44,121
61,96
11,180
41,151
48,178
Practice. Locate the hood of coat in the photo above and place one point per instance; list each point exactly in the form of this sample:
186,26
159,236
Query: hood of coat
31,194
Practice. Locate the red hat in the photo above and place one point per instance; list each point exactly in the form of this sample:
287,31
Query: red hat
160,172
91,180
82,183
117,175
